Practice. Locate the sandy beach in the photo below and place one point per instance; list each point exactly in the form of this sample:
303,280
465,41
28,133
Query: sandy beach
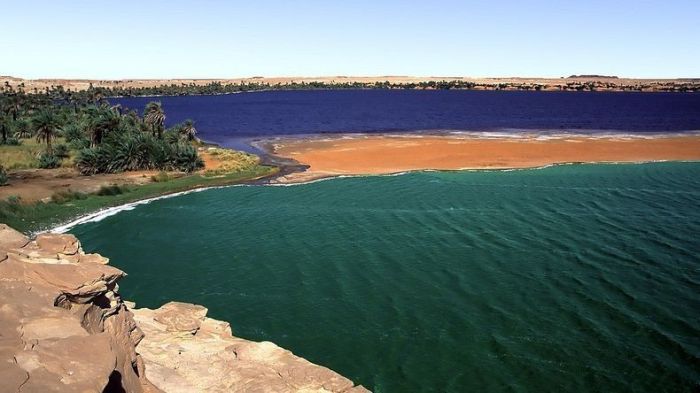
363,155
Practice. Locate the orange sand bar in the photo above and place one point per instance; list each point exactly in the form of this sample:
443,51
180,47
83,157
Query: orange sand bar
392,154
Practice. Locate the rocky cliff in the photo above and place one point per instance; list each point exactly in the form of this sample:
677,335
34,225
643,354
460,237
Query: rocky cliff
64,328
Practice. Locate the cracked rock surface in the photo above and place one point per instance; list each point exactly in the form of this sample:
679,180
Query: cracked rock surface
64,328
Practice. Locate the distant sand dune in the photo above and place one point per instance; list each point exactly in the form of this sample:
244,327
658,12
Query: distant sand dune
546,83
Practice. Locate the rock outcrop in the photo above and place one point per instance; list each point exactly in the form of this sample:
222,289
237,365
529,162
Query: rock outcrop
64,328
184,351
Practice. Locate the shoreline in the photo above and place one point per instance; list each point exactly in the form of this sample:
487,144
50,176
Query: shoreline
266,181
49,217
151,350
112,210
319,177
108,211
292,171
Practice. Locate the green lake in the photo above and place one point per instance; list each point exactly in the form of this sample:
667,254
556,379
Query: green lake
579,278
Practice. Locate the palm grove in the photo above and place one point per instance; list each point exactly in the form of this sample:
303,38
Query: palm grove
100,137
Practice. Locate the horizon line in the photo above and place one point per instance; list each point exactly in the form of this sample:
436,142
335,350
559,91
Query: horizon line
388,76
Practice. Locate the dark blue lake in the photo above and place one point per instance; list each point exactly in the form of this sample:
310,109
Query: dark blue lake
226,119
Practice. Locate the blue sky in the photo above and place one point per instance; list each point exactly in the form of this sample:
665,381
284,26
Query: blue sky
219,39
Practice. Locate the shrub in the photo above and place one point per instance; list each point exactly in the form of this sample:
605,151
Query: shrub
10,207
88,161
12,142
67,196
3,176
22,128
49,161
172,137
61,151
186,158
77,144
73,133
128,152
160,177
159,154
127,155
14,199
113,189
75,137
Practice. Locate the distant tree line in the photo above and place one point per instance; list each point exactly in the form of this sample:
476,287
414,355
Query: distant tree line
95,93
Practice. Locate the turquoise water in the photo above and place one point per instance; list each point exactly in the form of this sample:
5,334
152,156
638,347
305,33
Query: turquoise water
579,278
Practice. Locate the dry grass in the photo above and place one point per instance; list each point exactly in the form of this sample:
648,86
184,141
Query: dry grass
221,161
26,155
23,156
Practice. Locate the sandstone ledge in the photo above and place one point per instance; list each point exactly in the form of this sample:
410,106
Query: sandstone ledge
64,328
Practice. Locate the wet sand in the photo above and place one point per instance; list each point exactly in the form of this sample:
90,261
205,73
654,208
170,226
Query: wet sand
363,155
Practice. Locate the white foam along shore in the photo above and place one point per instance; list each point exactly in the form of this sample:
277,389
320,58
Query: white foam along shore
330,176
502,134
506,133
110,211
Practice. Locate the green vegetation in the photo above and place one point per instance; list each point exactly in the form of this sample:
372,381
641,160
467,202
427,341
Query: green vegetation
3,176
48,160
12,142
186,131
100,137
154,118
67,196
23,155
61,151
138,151
92,94
161,177
113,189
46,125
67,205
79,129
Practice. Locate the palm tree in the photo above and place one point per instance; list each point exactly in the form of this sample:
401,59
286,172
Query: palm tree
187,130
3,126
10,107
22,128
101,121
154,116
117,108
46,124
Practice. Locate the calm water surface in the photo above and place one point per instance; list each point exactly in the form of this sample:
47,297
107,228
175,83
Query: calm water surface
580,278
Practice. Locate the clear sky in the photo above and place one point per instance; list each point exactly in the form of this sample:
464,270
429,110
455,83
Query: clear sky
222,39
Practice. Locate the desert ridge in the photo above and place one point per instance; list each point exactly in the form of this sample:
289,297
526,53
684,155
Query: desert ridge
570,83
